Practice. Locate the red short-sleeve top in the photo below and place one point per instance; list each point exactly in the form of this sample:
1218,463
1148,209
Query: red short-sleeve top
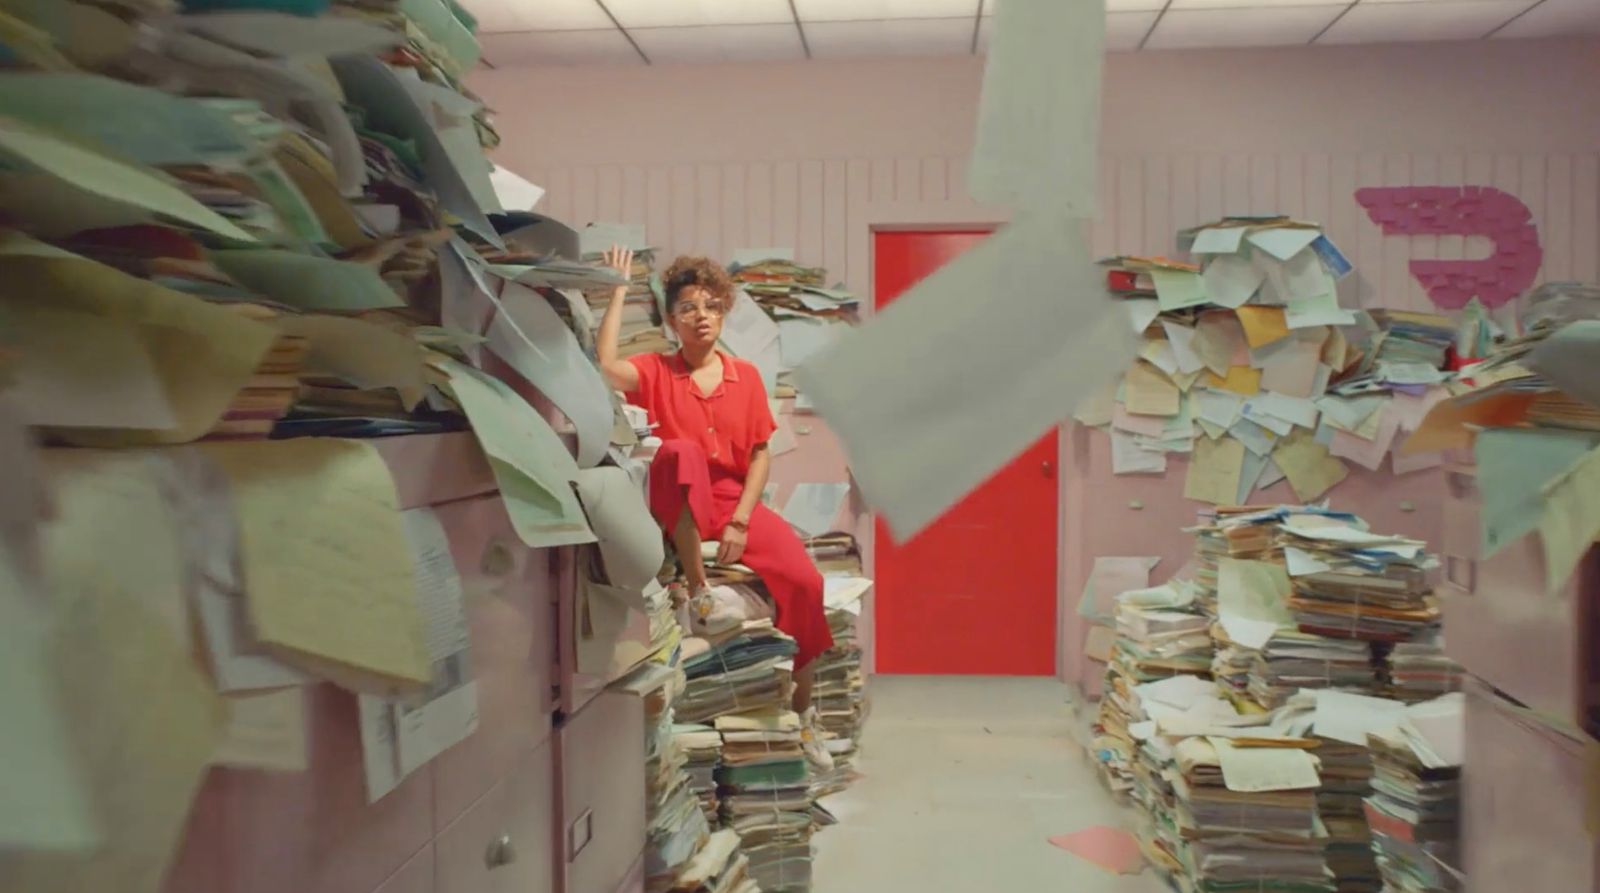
729,423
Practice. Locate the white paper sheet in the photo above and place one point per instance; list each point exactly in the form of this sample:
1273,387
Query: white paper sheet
1256,439
1218,240
514,192
1052,342
813,507
748,333
1183,347
1231,279
1299,562
1283,243
1037,146
1141,312
1127,457
1348,717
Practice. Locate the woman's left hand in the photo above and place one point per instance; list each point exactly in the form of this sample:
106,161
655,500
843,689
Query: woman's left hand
732,548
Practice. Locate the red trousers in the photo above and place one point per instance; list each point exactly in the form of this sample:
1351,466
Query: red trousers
680,476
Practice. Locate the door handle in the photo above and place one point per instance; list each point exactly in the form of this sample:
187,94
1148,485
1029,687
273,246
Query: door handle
1048,468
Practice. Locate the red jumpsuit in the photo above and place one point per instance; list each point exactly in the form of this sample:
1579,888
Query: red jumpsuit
707,440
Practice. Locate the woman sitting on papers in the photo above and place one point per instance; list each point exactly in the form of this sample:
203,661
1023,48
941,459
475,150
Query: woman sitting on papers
713,418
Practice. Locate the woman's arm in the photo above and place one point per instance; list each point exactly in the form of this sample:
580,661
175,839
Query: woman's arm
620,374
736,534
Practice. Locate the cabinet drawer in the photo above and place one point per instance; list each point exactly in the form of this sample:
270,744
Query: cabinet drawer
416,876
508,589
505,842
600,764
1523,810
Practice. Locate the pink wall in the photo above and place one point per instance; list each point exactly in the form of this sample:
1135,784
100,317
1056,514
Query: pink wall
716,158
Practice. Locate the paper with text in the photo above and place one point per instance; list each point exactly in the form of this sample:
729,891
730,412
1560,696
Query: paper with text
1214,471
1308,466
1257,769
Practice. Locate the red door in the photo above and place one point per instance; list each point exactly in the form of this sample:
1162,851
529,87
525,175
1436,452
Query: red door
975,592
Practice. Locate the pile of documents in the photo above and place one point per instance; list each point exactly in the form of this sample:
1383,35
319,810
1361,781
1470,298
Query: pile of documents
701,746
676,825
839,690
789,317
1292,660
1418,670
1415,808
1252,369
765,791
748,671
642,329
1355,584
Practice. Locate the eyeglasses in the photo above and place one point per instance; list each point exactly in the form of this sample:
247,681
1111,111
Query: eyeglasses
687,310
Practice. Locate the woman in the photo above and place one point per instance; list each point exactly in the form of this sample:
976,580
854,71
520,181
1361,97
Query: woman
712,415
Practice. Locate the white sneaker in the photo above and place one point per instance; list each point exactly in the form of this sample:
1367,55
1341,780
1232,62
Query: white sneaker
812,739
714,610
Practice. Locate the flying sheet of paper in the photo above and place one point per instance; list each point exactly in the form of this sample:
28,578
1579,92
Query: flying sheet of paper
750,334
1317,310
600,236
1127,457
1217,338
1571,519
80,370
1141,312
1262,325
265,730
142,716
1256,769
203,353
783,439
1146,425
1219,240
528,335
1098,408
1184,347
1250,473
515,192
1348,717
1308,466
1256,439
531,464
1514,466
1296,411
1177,289
1158,353
1231,280
1149,392
629,540
451,115
365,354
1289,367
1254,591
1039,111
1057,341
326,562
1220,408
1214,471
1110,577
813,507
1283,243
306,282
75,188
1567,359
393,108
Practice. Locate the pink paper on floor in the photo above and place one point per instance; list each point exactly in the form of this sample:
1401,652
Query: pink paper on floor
1113,849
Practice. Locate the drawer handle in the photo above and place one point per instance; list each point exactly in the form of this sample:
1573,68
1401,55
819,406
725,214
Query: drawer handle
499,853
579,833
497,560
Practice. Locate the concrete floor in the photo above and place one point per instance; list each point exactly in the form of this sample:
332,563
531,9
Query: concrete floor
965,780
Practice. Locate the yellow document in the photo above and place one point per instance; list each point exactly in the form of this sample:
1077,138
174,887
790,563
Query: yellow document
1256,769
265,730
1214,471
533,467
203,353
327,565
365,354
1148,392
1244,380
1310,468
83,371
143,718
1262,325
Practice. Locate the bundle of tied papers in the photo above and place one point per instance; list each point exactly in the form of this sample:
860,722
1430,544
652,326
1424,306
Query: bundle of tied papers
765,791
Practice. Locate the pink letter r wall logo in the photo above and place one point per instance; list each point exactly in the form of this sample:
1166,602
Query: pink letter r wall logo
1462,211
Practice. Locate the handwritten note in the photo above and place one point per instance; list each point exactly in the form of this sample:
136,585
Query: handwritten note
327,565
1148,392
1311,470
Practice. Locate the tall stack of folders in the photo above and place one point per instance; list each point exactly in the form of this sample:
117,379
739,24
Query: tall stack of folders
840,690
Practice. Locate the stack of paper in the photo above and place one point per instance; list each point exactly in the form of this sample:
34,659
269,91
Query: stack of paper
840,688
1418,670
1292,660
701,746
1415,816
798,312
719,867
1247,816
748,672
676,825
1354,584
642,330
765,790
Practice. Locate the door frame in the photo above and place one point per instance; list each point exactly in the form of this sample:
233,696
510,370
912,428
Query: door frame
867,219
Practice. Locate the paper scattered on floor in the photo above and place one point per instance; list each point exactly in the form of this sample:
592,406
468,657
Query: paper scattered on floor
1113,849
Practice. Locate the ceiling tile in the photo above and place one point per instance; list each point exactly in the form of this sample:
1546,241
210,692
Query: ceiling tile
1180,29
1399,22
659,14
1252,5
1124,30
904,37
1556,18
863,10
1134,6
538,15
721,43
558,48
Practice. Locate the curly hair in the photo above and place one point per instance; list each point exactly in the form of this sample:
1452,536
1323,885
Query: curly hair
696,272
